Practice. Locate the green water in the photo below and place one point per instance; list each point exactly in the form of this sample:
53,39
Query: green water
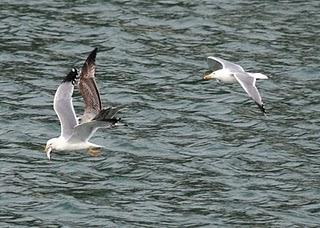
195,153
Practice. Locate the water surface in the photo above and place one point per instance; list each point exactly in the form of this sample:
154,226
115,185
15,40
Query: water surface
194,153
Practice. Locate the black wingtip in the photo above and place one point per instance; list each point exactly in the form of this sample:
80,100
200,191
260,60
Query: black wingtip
261,107
108,115
92,55
71,76
114,120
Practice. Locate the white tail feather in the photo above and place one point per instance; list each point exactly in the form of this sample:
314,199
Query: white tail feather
258,75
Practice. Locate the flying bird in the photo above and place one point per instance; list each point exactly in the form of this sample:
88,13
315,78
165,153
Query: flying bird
75,135
229,72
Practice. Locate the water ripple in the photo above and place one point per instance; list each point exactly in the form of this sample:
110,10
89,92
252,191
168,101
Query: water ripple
194,153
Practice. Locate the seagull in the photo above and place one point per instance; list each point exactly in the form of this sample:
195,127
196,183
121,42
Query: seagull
229,72
75,135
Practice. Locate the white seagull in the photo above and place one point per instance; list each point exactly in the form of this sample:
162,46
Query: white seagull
75,135
229,72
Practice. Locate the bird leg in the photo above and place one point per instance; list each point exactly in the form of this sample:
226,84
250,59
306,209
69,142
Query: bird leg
94,151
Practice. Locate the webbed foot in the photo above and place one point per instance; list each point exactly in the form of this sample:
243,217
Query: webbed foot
94,151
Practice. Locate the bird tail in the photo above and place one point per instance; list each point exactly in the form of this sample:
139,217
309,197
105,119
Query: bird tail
258,75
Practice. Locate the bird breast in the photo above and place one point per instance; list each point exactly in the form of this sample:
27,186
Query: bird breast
225,76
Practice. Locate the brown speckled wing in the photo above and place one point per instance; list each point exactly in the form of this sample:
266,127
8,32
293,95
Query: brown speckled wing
88,88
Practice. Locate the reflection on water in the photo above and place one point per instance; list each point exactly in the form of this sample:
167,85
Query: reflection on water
194,153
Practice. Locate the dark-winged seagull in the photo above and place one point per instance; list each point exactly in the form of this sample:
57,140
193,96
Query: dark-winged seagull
75,135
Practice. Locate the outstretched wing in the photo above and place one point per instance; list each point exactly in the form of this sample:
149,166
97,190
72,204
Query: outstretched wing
248,83
105,119
88,88
216,63
63,106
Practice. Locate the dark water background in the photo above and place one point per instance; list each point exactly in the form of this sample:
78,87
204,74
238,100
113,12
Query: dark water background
195,153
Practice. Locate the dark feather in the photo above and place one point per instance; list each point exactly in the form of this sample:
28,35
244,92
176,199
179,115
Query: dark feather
108,114
71,76
88,87
262,108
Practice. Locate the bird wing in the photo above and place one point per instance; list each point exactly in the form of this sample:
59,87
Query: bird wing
83,132
248,83
105,119
216,63
63,105
88,88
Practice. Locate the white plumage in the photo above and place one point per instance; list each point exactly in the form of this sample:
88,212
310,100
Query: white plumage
229,72
75,136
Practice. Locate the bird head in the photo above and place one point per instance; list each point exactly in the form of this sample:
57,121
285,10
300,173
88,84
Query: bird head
209,74
51,145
